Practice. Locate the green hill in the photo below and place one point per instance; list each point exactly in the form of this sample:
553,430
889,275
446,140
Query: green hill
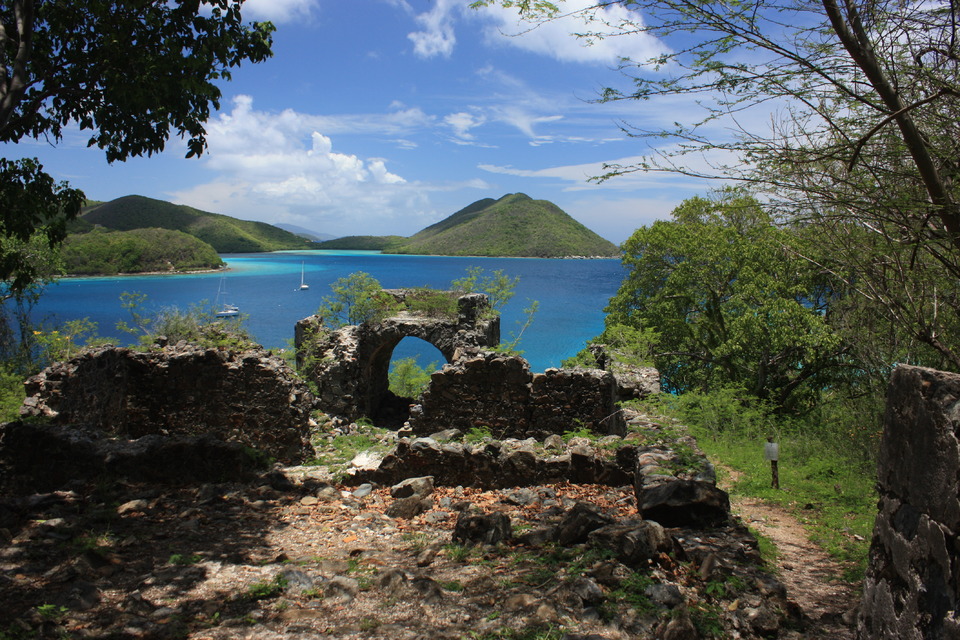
514,225
105,252
361,243
223,233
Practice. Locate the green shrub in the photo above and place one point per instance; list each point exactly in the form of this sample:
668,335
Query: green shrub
408,379
356,299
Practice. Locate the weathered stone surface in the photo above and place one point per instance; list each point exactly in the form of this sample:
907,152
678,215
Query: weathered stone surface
683,503
420,487
633,382
563,398
510,463
476,388
408,507
578,523
251,397
49,456
490,390
482,529
911,587
634,544
350,365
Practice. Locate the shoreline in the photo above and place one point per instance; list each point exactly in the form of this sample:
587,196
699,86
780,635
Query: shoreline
141,273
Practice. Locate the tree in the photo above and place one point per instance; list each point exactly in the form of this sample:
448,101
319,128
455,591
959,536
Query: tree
731,303
356,299
132,74
864,134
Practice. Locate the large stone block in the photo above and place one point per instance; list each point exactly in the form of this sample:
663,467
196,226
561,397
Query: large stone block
911,585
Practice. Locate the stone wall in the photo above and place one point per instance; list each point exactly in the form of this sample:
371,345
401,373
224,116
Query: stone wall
350,365
634,382
498,392
250,397
911,586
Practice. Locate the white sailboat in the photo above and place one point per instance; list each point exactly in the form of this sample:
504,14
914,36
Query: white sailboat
226,310
303,285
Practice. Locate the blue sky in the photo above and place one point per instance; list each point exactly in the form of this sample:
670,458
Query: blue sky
380,117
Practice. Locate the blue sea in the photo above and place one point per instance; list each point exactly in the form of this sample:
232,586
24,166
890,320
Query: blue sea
572,295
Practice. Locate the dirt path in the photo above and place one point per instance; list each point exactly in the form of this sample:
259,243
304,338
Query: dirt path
809,574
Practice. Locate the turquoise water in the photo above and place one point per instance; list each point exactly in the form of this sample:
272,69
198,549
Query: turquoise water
572,295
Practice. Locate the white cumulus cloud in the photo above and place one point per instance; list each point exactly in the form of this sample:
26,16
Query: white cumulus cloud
279,11
556,39
279,168
436,38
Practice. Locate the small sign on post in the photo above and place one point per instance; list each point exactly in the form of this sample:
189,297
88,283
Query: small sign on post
771,452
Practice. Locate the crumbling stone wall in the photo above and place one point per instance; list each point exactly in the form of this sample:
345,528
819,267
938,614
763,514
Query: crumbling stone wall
250,397
489,390
499,392
911,586
634,382
350,365
476,388
569,399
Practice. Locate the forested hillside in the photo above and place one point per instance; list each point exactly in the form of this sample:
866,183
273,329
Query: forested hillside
105,252
224,233
514,225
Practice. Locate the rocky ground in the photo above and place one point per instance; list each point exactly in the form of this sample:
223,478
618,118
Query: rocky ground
299,553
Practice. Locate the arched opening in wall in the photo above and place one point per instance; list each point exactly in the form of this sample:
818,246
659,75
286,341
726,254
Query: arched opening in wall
408,374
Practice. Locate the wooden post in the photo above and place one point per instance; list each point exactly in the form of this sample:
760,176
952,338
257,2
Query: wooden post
771,451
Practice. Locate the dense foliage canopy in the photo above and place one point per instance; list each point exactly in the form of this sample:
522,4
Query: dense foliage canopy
132,74
102,252
731,303
842,114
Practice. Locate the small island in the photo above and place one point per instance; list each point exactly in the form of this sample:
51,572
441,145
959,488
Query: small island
513,226
135,234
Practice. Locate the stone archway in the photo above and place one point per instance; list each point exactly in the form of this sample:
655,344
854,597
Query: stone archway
350,365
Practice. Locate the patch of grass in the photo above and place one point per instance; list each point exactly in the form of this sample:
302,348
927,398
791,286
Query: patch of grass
832,497
767,548
476,435
267,589
708,619
417,541
452,585
96,542
369,623
52,612
363,573
183,559
459,552
338,453
582,432
632,591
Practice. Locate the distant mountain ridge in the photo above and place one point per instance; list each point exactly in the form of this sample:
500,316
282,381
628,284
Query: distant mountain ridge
224,233
515,225
303,232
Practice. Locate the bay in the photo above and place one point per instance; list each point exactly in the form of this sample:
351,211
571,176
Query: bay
571,293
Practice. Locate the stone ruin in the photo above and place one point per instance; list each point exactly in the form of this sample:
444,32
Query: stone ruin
183,411
350,365
249,397
912,583
185,414
478,387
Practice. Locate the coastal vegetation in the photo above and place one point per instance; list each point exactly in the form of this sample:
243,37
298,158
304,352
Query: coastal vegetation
362,243
103,252
224,233
514,225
